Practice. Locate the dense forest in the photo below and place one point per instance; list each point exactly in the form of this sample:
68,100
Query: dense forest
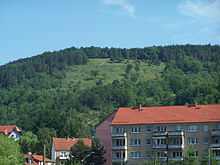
34,96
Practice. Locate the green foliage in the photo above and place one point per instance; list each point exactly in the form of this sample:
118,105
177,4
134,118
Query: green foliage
191,158
29,142
97,152
10,152
128,68
45,136
45,90
79,152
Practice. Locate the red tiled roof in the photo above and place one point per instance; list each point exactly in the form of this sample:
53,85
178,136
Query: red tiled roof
36,157
6,129
63,144
167,114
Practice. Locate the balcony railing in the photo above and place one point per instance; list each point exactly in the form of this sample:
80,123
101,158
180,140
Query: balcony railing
176,146
176,159
119,147
119,134
217,157
175,133
162,146
215,132
156,134
215,145
63,157
119,160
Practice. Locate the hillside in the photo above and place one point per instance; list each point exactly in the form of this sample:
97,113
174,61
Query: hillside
73,89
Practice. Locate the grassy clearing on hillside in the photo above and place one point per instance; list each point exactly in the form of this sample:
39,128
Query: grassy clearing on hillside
104,71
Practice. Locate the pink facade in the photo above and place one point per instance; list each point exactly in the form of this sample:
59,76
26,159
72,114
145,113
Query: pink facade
103,132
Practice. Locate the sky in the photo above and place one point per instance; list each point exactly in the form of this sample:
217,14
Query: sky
31,27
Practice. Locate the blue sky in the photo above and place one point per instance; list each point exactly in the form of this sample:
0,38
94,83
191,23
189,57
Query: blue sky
31,27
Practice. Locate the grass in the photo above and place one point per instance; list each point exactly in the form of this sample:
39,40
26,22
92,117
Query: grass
79,76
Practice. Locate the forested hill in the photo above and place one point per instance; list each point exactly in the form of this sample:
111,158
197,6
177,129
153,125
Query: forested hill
75,88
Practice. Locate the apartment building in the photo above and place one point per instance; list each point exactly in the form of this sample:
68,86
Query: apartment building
166,133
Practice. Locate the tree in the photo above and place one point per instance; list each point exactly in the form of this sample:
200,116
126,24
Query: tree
10,152
79,152
97,152
128,68
94,73
209,158
45,136
28,142
191,158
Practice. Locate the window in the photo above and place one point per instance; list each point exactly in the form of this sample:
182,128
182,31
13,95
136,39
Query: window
135,130
120,155
205,128
193,154
206,153
161,128
160,141
192,128
177,154
135,142
148,129
161,154
206,141
63,154
120,142
192,141
135,155
148,142
177,141
177,128
119,130
148,154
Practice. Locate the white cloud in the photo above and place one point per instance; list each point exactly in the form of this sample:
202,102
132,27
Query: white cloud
198,8
123,4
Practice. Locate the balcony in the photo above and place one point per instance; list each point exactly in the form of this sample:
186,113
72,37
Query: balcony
63,157
157,134
215,132
162,146
119,134
175,133
215,145
115,160
176,146
176,159
119,147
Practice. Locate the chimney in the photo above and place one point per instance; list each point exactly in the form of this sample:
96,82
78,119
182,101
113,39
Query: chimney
138,106
194,104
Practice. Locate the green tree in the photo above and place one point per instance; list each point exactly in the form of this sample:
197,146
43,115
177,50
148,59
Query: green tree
45,136
79,152
28,142
128,68
10,153
97,152
191,158
94,73
209,158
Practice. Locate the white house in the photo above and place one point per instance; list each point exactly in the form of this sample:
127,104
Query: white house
12,131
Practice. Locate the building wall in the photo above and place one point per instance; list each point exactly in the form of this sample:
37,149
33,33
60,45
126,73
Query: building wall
142,136
15,135
103,132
